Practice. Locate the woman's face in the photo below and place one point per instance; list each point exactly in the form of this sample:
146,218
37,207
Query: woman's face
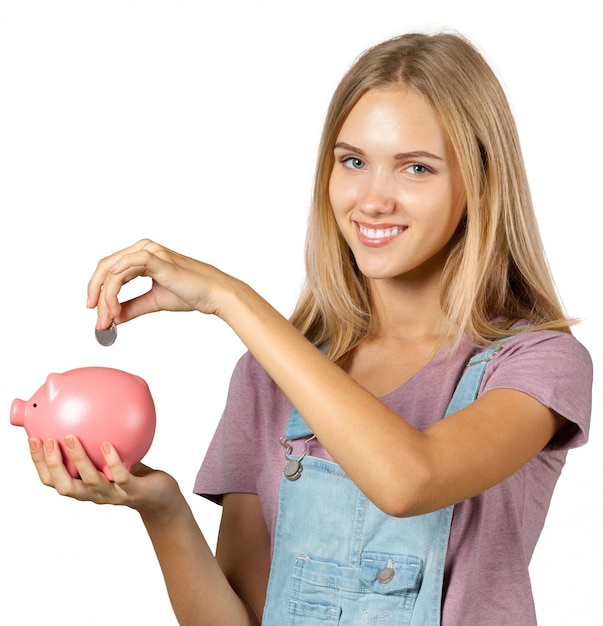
396,188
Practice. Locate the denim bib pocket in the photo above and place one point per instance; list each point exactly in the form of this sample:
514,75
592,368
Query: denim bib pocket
386,573
382,590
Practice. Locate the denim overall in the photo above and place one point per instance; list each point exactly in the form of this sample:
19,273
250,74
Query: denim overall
338,559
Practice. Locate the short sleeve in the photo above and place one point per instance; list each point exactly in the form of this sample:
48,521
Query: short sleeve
236,455
555,369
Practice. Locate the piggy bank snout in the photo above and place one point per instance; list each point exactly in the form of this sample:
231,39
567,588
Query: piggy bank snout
17,412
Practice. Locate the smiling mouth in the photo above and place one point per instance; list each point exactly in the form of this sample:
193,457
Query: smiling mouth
380,233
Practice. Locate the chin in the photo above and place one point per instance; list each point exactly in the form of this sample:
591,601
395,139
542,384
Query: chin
378,273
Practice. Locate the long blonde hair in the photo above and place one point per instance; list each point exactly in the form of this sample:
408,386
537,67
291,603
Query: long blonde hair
496,266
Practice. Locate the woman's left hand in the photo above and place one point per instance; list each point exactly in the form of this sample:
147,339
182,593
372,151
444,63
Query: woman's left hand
179,283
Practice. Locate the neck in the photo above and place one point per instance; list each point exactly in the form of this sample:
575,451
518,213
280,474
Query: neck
406,310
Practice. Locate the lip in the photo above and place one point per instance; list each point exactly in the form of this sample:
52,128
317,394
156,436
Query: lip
377,235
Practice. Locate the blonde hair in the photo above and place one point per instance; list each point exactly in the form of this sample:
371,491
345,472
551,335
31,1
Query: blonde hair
496,266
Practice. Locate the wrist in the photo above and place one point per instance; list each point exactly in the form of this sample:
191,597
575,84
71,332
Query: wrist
234,301
165,506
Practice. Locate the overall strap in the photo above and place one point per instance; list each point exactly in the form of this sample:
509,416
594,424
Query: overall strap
468,387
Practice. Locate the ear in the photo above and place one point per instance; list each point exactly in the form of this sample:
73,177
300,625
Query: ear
54,382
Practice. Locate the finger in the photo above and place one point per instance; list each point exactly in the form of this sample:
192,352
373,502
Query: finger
112,481
87,471
125,270
93,484
48,460
137,306
145,261
143,264
58,475
97,280
129,266
119,473
60,478
36,449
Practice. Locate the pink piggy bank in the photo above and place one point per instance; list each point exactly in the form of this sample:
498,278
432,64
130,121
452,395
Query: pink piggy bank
96,404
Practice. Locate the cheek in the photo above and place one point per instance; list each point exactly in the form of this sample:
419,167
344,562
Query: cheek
450,206
342,193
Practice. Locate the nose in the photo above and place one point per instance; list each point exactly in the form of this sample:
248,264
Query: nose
17,412
377,198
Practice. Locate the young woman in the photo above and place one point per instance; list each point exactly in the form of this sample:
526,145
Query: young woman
347,498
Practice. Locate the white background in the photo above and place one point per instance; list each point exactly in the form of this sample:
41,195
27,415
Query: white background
197,124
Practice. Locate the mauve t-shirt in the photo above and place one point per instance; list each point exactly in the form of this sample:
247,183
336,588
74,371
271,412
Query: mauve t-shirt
493,534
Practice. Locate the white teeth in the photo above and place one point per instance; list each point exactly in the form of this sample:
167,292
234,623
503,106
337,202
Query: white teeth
380,233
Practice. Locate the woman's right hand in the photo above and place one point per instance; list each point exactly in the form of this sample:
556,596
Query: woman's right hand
146,490
179,283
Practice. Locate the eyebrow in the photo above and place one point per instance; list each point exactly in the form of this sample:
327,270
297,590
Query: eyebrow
415,154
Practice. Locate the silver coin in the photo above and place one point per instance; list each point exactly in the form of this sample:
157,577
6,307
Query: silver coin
107,336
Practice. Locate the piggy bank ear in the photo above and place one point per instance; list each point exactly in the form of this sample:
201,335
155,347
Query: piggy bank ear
53,385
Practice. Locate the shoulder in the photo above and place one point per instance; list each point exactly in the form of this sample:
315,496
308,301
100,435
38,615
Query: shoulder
548,342
555,369
253,395
544,352
249,376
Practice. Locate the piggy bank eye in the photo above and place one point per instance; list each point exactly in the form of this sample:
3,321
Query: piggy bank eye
35,405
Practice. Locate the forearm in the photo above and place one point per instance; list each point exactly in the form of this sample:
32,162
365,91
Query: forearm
199,592
361,433
404,471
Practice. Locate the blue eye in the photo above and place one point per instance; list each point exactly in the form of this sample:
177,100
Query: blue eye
353,163
418,169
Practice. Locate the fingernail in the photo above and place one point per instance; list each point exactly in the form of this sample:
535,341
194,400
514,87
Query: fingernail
49,445
33,444
106,448
69,442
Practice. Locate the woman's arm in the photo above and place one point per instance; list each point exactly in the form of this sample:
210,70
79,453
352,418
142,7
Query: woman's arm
403,471
243,549
198,589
